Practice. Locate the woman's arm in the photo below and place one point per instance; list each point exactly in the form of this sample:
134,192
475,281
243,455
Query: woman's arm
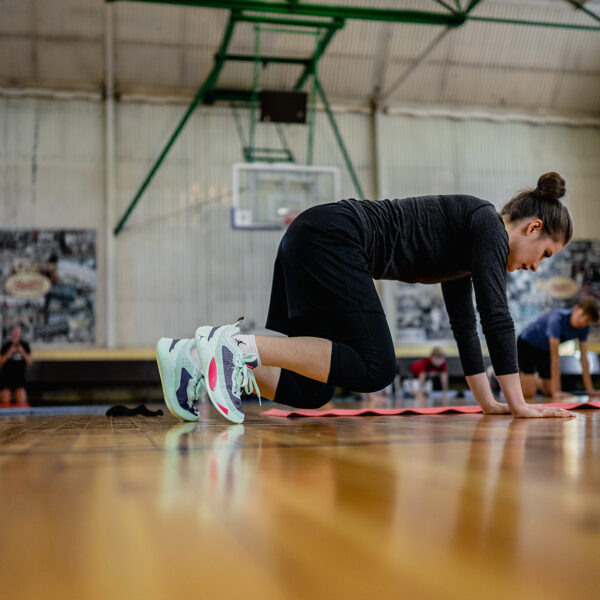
480,388
511,388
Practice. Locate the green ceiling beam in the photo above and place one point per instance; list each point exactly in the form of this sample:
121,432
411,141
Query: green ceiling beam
448,7
320,49
534,23
339,138
301,9
265,60
472,4
262,19
449,19
582,8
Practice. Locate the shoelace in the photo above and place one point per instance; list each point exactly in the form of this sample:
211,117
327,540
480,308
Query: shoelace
200,386
243,376
199,390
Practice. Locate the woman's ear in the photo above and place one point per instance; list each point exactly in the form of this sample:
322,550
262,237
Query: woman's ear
534,225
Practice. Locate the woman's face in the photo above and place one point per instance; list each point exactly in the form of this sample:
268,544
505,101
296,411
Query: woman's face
528,247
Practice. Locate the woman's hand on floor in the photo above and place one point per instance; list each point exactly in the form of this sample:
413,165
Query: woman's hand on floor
533,411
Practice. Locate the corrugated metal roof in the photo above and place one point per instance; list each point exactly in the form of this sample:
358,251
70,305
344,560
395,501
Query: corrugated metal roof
163,49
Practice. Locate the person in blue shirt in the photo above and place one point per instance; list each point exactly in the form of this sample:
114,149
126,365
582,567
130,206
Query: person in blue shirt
537,348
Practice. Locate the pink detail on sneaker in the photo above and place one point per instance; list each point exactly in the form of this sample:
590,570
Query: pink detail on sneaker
223,408
212,374
250,366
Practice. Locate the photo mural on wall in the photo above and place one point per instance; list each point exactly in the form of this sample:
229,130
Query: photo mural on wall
559,282
48,284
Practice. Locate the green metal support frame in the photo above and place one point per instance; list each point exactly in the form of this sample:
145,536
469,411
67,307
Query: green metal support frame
339,138
251,153
328,17
208,84
452,18
208,93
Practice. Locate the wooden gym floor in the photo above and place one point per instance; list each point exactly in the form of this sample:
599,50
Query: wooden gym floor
451,506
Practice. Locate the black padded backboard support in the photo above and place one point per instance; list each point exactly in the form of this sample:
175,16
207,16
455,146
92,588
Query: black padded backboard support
282,106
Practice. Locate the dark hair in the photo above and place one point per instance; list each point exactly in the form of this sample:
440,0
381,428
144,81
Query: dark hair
590,307
544,203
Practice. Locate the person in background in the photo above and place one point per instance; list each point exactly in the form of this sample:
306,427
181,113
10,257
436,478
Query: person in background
425,370
15,355
537,348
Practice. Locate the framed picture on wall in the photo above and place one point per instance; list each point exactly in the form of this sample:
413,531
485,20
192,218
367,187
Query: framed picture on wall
48,284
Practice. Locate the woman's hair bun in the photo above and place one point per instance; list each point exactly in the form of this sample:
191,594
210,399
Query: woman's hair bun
551,185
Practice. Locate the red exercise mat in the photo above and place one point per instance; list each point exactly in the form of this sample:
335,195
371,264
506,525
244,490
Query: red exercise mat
437,410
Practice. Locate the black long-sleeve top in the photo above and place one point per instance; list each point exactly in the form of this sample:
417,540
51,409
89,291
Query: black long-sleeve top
459,241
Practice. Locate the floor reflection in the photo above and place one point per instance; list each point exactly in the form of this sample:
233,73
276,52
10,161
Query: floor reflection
203,465
490,498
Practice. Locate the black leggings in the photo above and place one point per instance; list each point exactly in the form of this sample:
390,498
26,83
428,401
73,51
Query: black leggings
362,358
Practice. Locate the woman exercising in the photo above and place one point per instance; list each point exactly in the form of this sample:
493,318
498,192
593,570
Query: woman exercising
324,299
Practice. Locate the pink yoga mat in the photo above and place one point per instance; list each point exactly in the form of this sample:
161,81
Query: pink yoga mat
438,410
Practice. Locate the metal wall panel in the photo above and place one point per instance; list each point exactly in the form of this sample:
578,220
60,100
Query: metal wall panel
488,159
178,261
168,50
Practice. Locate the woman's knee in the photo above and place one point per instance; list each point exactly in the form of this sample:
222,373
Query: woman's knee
381,373
302,392
318,397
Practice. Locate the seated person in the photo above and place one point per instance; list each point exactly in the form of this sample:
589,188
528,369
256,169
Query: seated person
15,354
538,343
425,370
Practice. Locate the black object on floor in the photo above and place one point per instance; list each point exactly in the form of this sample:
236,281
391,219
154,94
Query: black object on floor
122,411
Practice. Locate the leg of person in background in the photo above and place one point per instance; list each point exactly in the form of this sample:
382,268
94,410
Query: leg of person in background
427,386
5,396
529,384
546,386
21,395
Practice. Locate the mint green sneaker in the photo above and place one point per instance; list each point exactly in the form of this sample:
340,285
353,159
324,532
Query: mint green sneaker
228,370
181,377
